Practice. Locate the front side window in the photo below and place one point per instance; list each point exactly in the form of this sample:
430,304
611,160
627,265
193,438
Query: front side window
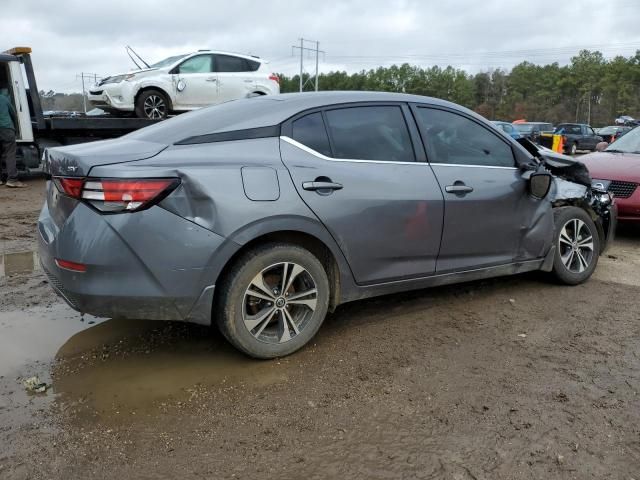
453,139
228,63
309,131
197,64
370,133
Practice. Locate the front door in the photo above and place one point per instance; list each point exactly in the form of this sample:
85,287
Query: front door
360,176
487,205
196,83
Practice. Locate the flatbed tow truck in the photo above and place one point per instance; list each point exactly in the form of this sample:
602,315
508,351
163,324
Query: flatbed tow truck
37,131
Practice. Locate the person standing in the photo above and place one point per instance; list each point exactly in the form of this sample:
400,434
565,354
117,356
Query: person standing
8,123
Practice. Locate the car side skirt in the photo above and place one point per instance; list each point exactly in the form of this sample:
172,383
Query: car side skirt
359,293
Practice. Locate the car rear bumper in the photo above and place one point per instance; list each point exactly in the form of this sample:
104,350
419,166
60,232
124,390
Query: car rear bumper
148,265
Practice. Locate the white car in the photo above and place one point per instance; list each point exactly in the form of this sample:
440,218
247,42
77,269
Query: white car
184,82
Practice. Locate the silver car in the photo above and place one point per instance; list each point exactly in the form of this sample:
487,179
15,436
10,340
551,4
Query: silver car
260,215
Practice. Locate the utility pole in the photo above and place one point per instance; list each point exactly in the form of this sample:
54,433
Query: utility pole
88,76
316,52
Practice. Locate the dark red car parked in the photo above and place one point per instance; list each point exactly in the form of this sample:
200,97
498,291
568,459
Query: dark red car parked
617,169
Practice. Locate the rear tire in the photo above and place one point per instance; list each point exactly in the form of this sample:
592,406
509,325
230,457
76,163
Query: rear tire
265,315
152,104
577,245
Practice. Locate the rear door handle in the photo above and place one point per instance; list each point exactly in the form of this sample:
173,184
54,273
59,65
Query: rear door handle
212,79
459,188
313,186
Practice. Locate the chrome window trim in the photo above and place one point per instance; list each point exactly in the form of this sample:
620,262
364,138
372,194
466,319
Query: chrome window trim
471,166
311,151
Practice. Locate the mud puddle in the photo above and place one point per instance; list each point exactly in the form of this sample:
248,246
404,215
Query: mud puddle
19,262
112,369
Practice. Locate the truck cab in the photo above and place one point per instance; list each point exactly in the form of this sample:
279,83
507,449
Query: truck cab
35,132
577,136
12,78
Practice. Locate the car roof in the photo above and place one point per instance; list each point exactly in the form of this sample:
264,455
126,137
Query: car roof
270,110
222,52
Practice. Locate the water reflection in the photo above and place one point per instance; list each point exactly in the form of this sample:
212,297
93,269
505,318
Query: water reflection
20,262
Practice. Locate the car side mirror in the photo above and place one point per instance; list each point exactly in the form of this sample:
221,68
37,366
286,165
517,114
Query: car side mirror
539,184
601,146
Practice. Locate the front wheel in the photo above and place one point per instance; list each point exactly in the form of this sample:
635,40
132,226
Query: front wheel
273,300
577,245
152,104
573,149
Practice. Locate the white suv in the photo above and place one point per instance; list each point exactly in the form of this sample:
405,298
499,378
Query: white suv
184,82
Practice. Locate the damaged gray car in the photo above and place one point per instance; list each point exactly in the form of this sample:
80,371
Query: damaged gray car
260,215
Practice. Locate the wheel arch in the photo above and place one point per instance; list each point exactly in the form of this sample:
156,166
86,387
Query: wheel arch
597,220
307,234
146,88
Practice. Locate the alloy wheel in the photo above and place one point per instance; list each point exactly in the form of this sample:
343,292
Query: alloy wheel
576,246
279,302
154,107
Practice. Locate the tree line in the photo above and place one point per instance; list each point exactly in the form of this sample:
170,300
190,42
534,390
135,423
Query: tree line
590,89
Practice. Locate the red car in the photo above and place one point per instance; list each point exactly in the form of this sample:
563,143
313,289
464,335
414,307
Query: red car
617,169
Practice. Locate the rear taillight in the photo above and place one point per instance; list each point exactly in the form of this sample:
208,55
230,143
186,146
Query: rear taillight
71,187
114,195
275,78
72,266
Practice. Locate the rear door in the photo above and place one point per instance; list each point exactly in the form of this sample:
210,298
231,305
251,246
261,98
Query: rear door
197,83
358,168
486,198
234,78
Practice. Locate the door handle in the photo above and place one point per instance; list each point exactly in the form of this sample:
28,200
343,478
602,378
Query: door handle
248,81
211,79
313,186
459,188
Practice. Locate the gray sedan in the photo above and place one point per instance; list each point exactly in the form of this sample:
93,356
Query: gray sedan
260,215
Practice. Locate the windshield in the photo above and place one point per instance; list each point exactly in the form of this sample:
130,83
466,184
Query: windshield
629,143
523,127
168,61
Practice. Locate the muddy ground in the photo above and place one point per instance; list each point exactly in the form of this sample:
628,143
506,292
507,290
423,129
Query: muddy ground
503,379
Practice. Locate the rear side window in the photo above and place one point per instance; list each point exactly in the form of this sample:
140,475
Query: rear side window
370,133
453,139
253,65
197,64
228,63
310,131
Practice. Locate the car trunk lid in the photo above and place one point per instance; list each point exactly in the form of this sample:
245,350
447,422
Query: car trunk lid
78,160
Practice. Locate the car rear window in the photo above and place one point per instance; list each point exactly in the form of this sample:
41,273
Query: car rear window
576,129
523,127
310,131
370,133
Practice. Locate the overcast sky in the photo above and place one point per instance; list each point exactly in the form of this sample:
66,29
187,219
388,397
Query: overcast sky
73,36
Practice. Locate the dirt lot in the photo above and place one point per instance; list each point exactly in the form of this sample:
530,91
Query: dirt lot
504,379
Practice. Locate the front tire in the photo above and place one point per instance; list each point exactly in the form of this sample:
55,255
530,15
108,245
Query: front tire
273,300
152,104
574,149
577,245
